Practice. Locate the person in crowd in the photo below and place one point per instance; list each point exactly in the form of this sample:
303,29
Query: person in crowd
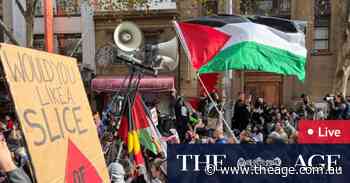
288,127
14,174
204,109
2,126
116,172
182,118
293,139
189,137
99,124
194,119
258,110
9,123
157,172
232,140
246,136
320,114
346,112
257,134
241,116
307,109
270,120
337,106
140,175
218,137
279,133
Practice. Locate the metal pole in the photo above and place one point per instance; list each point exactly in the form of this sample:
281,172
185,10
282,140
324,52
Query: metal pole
48,20
119,151
217,109
228,79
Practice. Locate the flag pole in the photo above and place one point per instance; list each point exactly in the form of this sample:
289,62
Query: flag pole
217,108
119,151
184,45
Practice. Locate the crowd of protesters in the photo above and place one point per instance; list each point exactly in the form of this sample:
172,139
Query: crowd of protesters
254,122
14,160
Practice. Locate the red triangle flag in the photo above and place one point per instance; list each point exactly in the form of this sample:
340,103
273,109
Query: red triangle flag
124,129
79,168
210,80
202,42
139,114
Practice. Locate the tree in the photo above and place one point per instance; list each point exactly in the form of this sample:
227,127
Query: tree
29,14
343,58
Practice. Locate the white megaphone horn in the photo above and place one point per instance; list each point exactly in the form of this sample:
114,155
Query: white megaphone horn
168,55
128,37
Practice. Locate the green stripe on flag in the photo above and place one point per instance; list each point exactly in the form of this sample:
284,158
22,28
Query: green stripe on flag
147,141
253,56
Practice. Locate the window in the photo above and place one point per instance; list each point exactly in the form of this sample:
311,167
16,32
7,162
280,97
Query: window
211,7
39,42
60,8
68,7
282,8
67,43
275,8
322,26
64,44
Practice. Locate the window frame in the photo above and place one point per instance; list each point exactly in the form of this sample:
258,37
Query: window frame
316,25
39,10
56,36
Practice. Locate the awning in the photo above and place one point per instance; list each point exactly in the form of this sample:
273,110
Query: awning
147,84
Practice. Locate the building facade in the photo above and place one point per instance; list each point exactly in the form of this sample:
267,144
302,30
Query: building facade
154,20
73,24
324,37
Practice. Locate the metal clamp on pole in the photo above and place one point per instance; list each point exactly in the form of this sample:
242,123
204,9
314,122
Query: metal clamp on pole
135,64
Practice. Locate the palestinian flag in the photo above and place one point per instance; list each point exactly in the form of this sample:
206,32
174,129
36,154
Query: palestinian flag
221,44
134,130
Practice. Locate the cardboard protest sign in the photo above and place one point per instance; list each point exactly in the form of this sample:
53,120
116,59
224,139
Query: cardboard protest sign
154,116
55,116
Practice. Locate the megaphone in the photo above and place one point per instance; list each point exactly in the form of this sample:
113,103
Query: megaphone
128,37
168,55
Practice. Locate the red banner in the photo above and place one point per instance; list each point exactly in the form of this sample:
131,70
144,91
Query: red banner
48,19
324,132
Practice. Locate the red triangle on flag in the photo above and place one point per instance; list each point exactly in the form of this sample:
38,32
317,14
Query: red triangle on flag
210,80
202,42
78,168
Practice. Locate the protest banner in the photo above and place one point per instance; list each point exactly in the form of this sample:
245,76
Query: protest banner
55,116
154,116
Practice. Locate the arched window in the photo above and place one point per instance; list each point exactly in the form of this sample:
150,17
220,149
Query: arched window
322,26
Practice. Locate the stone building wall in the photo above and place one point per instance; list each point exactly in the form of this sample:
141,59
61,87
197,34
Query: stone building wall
320,68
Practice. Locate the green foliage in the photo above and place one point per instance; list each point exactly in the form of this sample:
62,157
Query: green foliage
118,5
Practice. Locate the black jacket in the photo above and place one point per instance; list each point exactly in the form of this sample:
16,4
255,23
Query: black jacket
241,115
